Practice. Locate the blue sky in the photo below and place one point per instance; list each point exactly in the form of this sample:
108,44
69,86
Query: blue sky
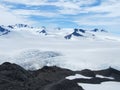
86,14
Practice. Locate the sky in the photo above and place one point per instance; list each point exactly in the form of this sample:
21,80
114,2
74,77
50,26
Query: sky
88,14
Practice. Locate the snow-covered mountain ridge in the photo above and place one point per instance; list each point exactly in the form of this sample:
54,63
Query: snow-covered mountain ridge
66,33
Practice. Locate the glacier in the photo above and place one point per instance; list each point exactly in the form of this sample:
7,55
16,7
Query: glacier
27,47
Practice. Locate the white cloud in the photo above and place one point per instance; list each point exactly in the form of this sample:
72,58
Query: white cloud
26,12
97,22
111,7
27,2
75,5
57,2
7,17
68,7
107,14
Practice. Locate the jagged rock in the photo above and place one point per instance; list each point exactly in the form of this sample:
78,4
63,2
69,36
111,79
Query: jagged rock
64,85
14,72
43,31
87,72
103,30
50,73
10,26
68,36
95,30
94,80
3,31
21,25
110,72
14,77
81,30
75,33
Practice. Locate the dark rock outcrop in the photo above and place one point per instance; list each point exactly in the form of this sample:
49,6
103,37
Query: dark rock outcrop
10,26
81,30
75,33
103,30
87,72
3,31
43,31
68,36
110,72
64,85
94,80
21,25
14,77
97,30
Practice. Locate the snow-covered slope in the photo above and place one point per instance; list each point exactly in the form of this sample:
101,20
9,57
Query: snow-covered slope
103,86
94,50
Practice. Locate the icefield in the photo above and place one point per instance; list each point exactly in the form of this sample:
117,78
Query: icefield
34,50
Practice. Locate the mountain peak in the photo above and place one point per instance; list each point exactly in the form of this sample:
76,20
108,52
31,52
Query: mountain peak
19,26
98,30
22,25
3,31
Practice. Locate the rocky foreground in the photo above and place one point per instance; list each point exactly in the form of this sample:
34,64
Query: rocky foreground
14,77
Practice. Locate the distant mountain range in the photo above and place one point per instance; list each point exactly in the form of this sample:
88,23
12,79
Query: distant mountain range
66,33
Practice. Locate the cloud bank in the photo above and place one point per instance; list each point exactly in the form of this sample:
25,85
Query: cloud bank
67,13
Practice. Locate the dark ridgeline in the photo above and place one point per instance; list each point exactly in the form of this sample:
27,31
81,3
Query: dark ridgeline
14,77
